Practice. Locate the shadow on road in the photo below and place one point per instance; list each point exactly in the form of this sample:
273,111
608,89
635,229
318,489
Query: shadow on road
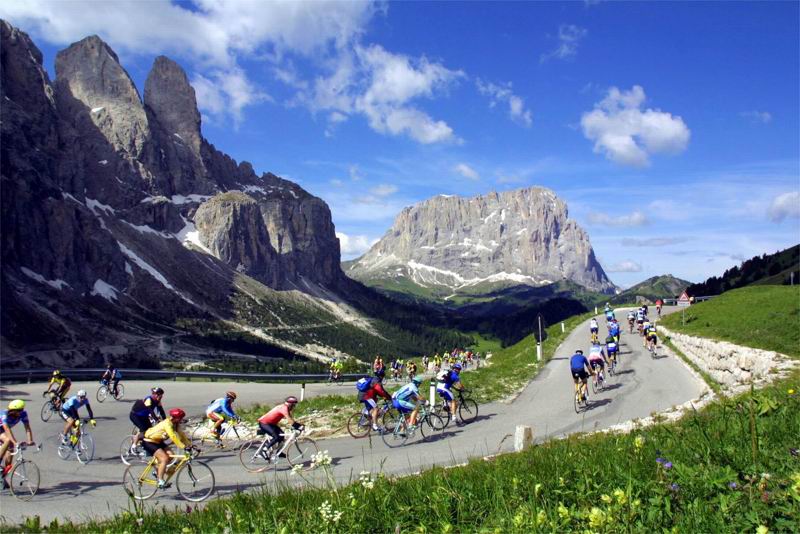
4,392
597,404
440,436
625,372
612,387
73,488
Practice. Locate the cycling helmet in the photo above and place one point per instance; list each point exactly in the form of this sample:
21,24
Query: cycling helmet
81,392
177,413
56,373
17,404
291,400
231,395
579,351
157,391
380,373
417,380
457,367
109,366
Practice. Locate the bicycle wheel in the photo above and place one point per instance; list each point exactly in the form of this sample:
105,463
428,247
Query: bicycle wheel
202,439
433,422
84,450
594,384
47,411
140,484
394,433
64,450
301,451
468,410
120,392
24,480
251,461
195,482
443,411
359,425
129,457
577,400
102,393
389,415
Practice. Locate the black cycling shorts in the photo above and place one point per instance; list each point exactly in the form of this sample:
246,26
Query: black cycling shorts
582,374
142,422
151,447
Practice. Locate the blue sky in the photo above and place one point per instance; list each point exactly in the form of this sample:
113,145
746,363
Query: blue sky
669,128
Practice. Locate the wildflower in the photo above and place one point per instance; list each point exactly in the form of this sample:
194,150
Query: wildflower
296,469
596,517
636,503
322,458
660,460
638,442
518,520
536,489
328,513
366,480
620,496
668,465
790,392
733,485
541,517
605,498
562,511
186,530
762,530
765,497
140,521
674,487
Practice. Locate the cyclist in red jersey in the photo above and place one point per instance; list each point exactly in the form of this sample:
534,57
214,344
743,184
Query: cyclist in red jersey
268,423
368,397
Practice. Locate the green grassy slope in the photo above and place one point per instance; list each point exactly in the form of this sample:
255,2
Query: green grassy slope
765,269
764,317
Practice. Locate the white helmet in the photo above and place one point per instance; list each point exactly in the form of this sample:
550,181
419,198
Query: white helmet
81,392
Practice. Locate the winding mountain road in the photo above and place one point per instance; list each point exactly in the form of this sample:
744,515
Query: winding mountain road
79,492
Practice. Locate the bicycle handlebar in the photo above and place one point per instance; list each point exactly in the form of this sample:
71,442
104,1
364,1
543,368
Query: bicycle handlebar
24,445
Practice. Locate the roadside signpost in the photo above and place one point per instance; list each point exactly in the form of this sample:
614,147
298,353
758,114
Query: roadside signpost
684,302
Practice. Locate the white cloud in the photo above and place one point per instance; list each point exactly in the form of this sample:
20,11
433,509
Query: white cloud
653,241
354,245
763,117
627,134
569,36
383,190
626,266
637,218
355,173
503,93
466,171
216,35
377,195
785,206
337,182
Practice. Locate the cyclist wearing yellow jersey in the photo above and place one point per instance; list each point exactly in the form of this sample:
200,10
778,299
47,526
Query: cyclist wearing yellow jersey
652,336
155,437
62,384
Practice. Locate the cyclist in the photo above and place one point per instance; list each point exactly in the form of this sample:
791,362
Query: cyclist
144,410
154,441
112,375
659,304
639,319
437,363
368,397
378,363
395,368
447,380
645,330
69,411
578,365
411,369
631,320
62,384
268,423
407,398
609,315
612,347
593,328
652,337
336,369
9,418
613,329
597,358
221,409
425,364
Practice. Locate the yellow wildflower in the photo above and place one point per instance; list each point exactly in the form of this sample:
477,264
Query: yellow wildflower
541,517
790,392
620,496
636,503
605,498
536,489
519,520
762,530
638,442
562,511
596,517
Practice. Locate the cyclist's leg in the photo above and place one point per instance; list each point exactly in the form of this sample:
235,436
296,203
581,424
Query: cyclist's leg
218,420
274,432
142,423
5,452
372,409
71,417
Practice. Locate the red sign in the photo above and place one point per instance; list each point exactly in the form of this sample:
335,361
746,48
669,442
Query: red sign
683,300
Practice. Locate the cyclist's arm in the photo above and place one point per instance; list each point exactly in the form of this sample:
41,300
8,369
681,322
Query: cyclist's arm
178,438
227,410
161,412
89,409
7,431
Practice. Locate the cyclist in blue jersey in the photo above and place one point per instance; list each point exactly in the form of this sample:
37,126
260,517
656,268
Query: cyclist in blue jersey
447,380
613,329
69,411
580,369
9,418
612,346
221,409
144,410
113,375
407,398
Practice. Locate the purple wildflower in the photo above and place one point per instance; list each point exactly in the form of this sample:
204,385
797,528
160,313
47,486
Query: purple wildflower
733,485
660,460
794,452
674,487
668,465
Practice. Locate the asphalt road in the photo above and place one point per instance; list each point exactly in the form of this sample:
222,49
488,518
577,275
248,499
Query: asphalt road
79,492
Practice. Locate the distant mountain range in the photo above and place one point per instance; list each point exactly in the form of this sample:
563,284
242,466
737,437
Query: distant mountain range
767,269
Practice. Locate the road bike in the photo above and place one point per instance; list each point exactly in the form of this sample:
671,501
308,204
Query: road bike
630,326
599,381
581,397
594,338
256,457
398,430
127,452
51,406
613,362
359,425
23,479
229,437
467,408
79,443
651,346
103,391
194,480
335,377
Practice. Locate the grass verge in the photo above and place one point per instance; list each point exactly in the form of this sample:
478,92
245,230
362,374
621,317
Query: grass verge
764,317
732,467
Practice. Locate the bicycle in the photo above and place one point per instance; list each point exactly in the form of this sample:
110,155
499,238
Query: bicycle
24,476
581,396
203,438
335,378
398,431
598,381
613,363
594,338
256,457
126,450
630,326
651,346
194,480
359,425
467,409
103,391
51,406
79,442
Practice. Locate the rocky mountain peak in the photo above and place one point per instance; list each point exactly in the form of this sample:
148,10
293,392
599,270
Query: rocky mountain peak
172,100
522,236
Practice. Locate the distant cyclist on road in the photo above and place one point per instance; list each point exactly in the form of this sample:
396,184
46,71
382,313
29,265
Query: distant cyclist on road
613,329
631,320
111,375
69,411
652,337
593,328
580,369
62,384
219,410
659,304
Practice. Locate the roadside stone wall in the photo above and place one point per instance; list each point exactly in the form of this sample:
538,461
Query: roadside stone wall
730,365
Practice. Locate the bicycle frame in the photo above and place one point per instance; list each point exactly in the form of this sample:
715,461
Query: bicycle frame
183,459
287,442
